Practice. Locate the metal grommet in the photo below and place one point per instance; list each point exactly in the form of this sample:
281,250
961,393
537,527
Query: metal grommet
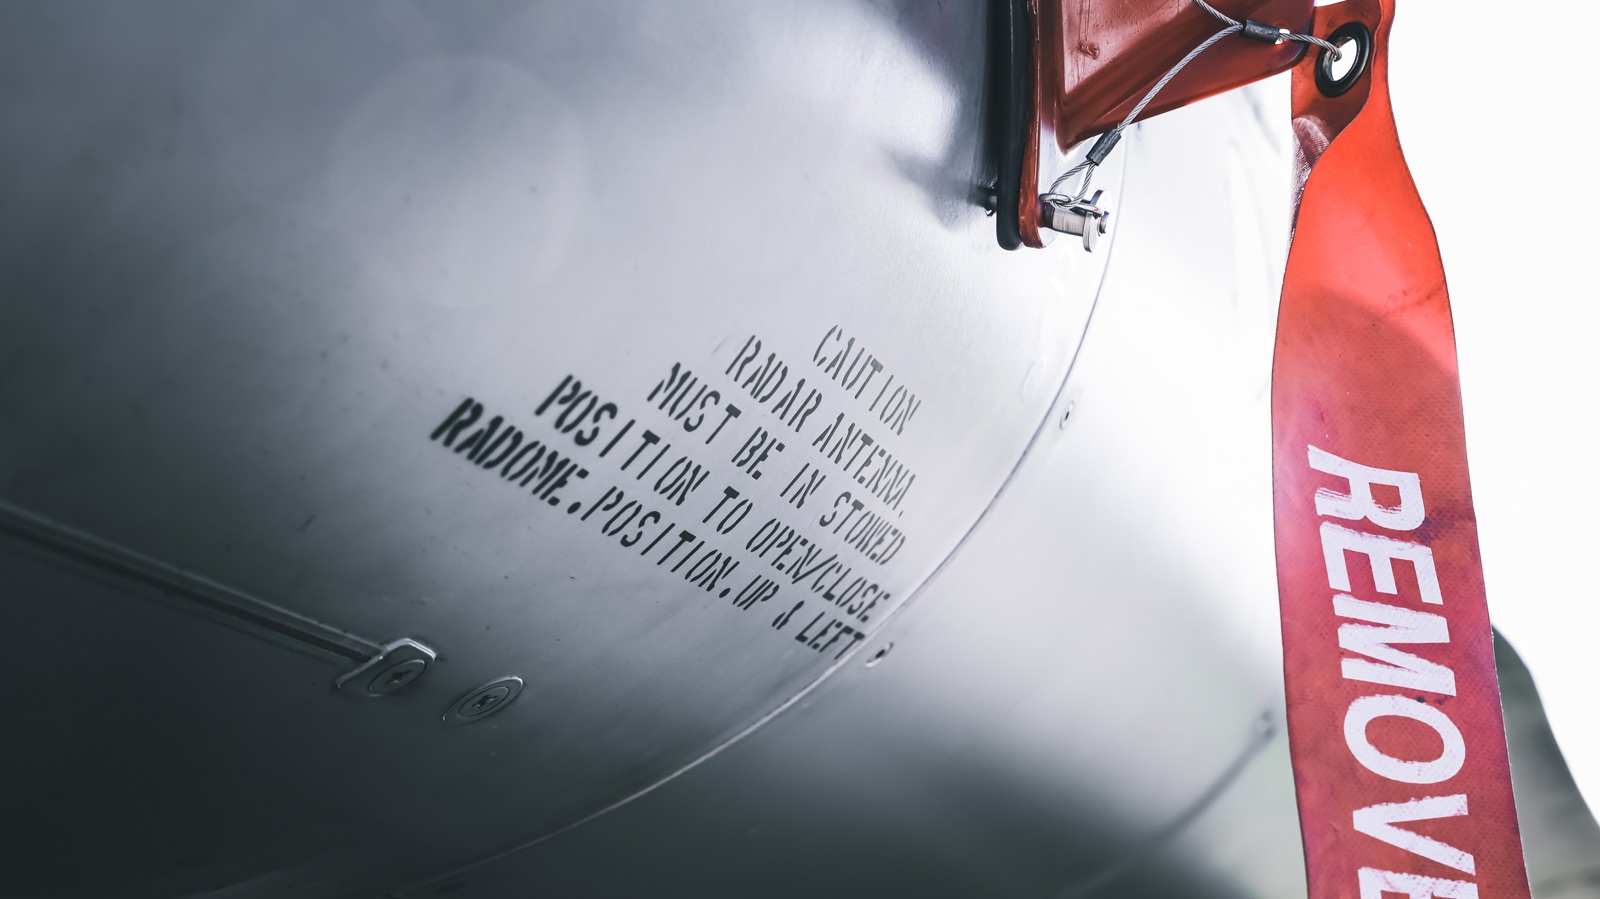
481,702
1355,43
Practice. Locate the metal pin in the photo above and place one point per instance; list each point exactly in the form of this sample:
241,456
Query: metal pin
1081,219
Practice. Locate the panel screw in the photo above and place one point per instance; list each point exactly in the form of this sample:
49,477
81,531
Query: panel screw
392,678
397,665
878,657
481,702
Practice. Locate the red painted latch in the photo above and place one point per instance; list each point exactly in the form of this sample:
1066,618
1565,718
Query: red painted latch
1088,64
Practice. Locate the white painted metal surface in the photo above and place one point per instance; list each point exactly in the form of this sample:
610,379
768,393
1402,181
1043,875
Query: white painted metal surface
261,265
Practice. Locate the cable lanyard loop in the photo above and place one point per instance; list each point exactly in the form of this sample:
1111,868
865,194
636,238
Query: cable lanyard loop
1073,210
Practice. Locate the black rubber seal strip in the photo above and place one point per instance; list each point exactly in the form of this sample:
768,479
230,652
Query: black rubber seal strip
1011,48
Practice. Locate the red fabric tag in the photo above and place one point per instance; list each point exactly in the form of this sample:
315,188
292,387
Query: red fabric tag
1394,709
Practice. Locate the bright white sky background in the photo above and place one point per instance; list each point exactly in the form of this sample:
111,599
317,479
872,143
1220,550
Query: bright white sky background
1495,104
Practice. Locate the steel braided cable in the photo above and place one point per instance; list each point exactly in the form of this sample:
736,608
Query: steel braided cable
1233,26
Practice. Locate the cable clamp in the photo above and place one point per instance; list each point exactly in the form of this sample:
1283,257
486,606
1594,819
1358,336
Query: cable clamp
1266,34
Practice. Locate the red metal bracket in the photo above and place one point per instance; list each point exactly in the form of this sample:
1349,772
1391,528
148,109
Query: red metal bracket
1092,61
